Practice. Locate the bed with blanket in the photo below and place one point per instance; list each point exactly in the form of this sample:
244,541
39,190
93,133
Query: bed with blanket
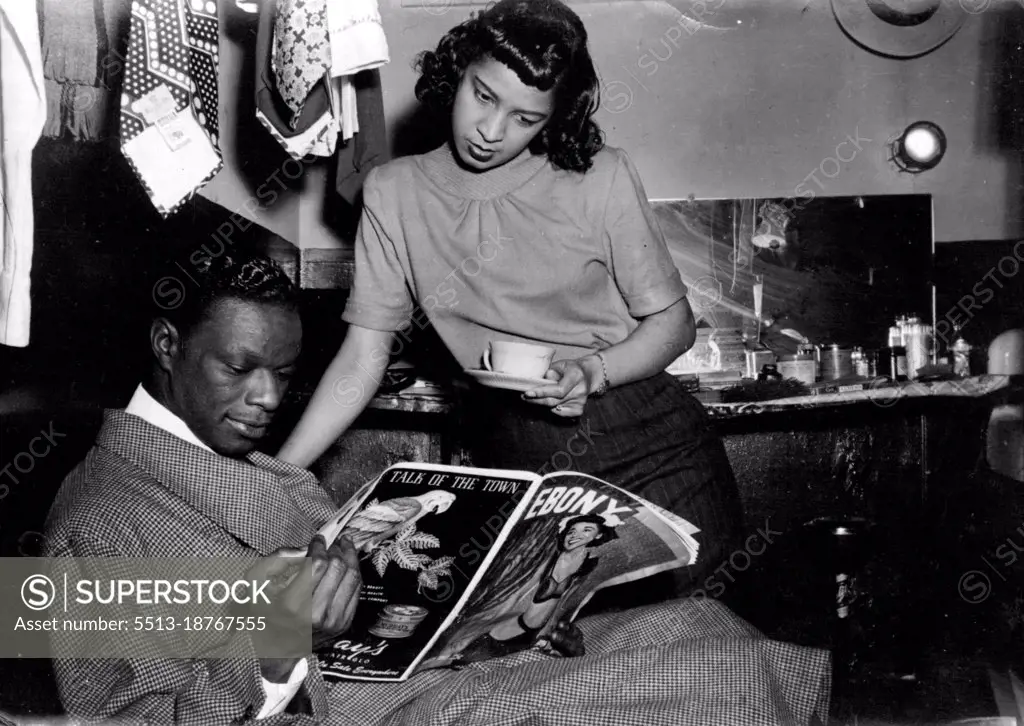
689,661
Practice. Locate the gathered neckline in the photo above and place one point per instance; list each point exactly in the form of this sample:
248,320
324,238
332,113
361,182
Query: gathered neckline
441,166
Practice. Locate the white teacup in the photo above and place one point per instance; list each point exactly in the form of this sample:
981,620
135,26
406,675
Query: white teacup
518,359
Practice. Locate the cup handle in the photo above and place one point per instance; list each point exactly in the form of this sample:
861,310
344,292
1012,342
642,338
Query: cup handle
487,357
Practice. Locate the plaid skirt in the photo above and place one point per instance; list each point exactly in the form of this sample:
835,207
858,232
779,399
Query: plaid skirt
650,437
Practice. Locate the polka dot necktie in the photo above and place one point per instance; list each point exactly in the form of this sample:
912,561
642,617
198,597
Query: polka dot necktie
172,43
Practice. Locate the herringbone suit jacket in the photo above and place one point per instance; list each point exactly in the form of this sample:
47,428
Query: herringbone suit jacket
143,492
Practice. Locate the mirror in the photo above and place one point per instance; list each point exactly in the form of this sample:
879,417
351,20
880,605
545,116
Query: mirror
831,269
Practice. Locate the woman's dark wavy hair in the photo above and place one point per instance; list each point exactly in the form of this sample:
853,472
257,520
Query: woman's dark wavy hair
545,43
604,532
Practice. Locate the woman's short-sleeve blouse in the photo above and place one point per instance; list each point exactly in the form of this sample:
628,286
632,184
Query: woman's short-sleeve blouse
523,252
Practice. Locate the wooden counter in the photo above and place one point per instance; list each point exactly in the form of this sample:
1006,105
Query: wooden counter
883,395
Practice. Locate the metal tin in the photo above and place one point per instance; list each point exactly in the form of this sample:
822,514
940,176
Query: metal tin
398,621
800,366
814,351
836,363
917,341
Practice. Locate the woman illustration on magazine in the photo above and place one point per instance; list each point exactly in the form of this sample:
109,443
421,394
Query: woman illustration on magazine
571,562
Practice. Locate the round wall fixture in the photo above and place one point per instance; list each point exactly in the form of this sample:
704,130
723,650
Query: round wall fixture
899,28
919,148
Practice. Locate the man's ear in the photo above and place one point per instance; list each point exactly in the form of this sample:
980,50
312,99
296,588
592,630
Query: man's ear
165,342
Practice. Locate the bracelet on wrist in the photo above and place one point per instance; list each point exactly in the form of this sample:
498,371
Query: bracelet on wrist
602,387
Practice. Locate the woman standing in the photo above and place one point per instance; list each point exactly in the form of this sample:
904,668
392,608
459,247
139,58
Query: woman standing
525,227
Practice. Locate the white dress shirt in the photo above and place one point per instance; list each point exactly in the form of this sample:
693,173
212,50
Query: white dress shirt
152,411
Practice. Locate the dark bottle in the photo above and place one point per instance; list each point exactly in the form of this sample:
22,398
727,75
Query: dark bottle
893,362
769,372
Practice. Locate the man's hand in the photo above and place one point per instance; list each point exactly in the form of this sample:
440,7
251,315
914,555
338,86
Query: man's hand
334,582
336,586
572,383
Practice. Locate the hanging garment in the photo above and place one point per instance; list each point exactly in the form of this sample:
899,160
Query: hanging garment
315,129
349,107
169,129
22,116
358,44
356,35
370,146
83,63
302,51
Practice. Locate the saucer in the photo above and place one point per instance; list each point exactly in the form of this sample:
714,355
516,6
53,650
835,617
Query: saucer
507,381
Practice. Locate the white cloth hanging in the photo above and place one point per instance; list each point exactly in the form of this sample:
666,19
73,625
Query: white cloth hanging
349,112
22,117
357,36
358,44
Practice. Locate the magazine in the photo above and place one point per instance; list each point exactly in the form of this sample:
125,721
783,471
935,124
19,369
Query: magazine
462,564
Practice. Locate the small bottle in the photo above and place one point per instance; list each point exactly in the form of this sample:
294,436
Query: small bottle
860,363
900,357
871,362
769,372
961,351
894,362
901,326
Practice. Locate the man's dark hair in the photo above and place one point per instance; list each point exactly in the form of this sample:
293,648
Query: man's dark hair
236,275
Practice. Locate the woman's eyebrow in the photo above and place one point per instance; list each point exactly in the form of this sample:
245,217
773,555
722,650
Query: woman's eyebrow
479,81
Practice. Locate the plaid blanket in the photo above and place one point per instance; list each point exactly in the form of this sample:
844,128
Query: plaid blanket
683,662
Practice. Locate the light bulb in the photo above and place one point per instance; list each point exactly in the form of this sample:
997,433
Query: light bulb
919,148
921,144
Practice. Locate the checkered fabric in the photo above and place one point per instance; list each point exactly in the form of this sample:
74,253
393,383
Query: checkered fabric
678,663
143,492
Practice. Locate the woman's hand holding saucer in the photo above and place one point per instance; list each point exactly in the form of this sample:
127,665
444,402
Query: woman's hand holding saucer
571,385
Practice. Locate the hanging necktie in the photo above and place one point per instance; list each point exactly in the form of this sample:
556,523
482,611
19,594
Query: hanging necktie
169,129
302,51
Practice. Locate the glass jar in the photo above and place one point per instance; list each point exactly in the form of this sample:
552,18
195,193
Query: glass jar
799,366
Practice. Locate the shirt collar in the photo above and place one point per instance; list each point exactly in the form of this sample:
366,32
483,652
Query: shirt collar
153,412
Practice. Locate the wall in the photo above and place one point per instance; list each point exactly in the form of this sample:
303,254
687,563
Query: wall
259,180
753,108
749,104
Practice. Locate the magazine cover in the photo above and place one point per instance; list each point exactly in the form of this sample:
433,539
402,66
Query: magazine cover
422,533
576,535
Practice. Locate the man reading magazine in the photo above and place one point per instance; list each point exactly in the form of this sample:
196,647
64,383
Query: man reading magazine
176,475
